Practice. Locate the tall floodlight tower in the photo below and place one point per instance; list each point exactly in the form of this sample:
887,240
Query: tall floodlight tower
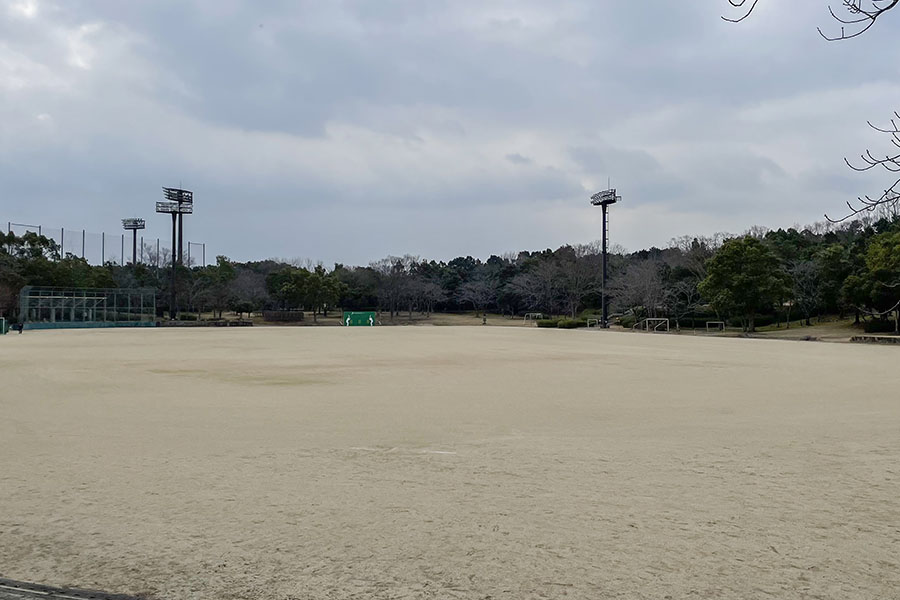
175,209
184,198
604,200
133,225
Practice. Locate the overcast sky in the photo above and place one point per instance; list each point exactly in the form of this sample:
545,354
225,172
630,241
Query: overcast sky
347,130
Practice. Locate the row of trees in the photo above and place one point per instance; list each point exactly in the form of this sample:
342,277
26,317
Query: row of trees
851,268
780,274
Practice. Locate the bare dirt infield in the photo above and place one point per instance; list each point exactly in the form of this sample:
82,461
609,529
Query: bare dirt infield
465,462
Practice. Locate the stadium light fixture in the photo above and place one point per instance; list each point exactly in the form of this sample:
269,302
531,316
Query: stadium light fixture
604,200
177,203
133,225
185,201
178,195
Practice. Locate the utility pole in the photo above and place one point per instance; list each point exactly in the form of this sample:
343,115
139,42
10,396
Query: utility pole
604,200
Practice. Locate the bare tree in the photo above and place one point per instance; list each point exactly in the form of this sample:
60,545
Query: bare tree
694,251
578,277
757,231
153,258
430,294
862,15
639,287
806,279
890,163
682,298
480,292
248,291
539,287
392,273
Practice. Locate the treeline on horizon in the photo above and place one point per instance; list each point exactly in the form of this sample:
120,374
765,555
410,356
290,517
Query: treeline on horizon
757,278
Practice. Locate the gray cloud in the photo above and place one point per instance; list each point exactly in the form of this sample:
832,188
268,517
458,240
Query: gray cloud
517,159
346,130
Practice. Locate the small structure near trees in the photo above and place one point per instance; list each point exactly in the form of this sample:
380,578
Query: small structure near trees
76,308
652,324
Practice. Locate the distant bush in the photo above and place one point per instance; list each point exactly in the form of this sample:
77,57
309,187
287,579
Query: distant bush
627,321
696,320
762,320
547,322
187,317
879,326
283,315
571,323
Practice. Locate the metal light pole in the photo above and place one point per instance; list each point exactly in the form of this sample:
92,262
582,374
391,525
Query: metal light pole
178,202
185,200
134,225
172,209
604,200
173,307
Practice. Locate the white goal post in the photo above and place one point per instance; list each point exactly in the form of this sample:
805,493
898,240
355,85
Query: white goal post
652,324
719,325
593,323
534,316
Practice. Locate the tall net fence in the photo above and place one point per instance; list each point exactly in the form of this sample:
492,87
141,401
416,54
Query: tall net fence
153,246
54,308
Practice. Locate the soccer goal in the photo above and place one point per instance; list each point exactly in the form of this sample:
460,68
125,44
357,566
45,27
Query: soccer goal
593,323
534,316
359,319
652,324
715,326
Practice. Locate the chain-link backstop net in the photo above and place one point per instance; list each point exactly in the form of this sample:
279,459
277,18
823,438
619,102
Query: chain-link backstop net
57,308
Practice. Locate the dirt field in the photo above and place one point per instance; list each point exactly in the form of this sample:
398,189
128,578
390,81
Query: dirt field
448,462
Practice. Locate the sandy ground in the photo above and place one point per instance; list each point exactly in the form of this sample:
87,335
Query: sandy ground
430,462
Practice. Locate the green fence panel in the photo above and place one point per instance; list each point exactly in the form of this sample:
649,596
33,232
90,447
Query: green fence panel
359,319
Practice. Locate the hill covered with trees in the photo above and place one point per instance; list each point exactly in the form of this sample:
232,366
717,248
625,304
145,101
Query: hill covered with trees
758,278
